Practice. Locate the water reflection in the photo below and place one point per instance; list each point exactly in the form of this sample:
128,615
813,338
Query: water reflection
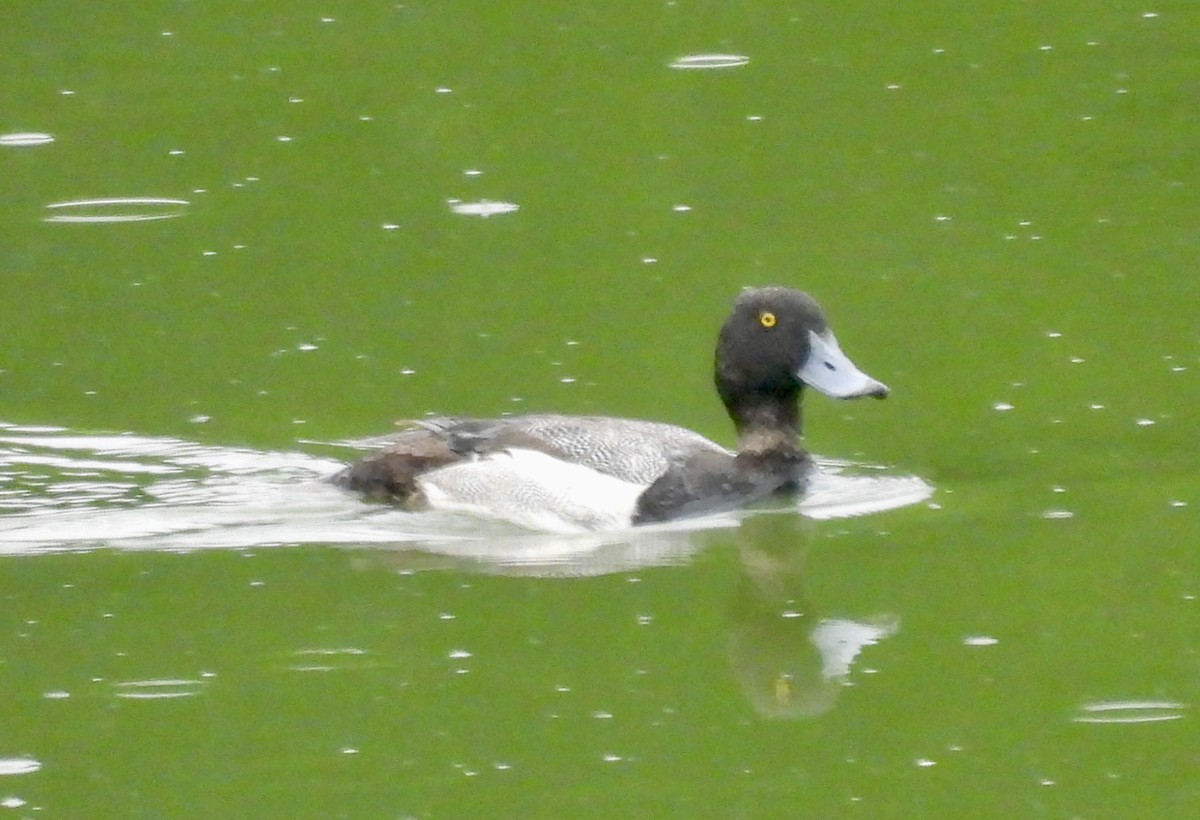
557,556
790,661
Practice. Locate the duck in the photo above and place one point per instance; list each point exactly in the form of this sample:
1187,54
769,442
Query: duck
579,473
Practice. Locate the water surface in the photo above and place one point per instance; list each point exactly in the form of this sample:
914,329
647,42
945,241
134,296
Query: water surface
300,224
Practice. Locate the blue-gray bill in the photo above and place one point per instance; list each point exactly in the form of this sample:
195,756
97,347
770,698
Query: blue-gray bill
830,370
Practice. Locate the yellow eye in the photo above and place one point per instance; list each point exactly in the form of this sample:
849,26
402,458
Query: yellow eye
767,318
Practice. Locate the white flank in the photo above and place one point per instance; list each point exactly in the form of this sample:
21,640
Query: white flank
533,490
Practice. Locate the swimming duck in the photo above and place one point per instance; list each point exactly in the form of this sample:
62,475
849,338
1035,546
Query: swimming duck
566,473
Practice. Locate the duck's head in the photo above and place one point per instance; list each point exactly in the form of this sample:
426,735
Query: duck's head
775,341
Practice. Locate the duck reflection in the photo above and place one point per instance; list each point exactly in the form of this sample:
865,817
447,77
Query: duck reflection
790,661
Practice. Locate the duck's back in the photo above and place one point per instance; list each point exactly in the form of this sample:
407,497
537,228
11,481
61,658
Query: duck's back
629,449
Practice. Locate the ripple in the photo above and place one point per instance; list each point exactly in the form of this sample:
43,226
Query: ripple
66,490
1129,711
835,491
116,209
19,765
25,140
693,62
339,650
158,688
980,640
483,208
334,658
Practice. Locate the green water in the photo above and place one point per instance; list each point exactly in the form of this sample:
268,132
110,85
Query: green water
996,203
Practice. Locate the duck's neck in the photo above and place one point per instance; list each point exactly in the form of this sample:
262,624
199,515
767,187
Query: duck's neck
768,424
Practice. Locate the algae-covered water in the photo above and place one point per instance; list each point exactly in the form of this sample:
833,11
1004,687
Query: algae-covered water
235,236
